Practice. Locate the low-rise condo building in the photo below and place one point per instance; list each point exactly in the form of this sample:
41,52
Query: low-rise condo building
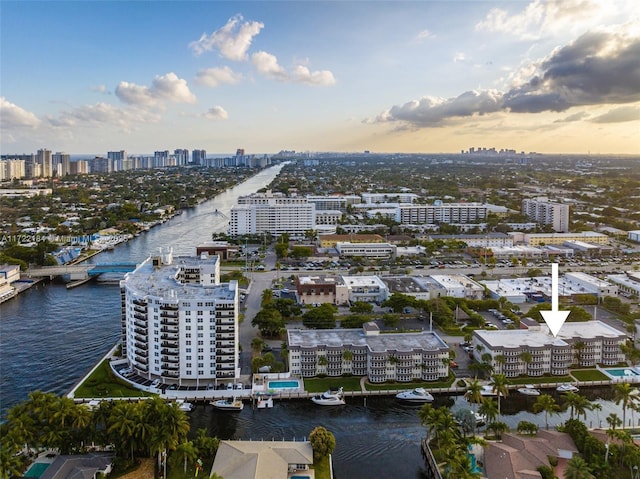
367,289
535,351
321,289
368,352
179,323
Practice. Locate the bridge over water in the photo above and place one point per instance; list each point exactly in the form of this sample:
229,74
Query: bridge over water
77,272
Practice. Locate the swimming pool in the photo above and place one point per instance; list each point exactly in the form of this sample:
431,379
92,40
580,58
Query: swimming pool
300,477
621,372
36,469
281,384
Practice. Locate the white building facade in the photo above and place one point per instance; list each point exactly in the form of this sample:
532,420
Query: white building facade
447,213
179,323
399,357
546,212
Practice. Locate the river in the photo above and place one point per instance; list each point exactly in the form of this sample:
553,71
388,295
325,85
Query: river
50,336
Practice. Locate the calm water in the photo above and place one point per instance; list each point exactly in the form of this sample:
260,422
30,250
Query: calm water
50,336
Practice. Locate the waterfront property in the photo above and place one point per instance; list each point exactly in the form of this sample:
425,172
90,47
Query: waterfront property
273,459
368,352
535,351
179,323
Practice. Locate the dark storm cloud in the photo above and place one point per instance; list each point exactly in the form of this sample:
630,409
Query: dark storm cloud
597,68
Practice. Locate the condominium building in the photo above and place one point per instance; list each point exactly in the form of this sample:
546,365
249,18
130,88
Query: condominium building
458,286
333,202
274,214
44,163
400,357
400,197
546,212
535,351
12,169
439,212
60,163
179,323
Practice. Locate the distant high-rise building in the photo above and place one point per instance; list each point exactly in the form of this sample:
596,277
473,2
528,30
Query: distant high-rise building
160,159
60,163
43,159
546,212
198,157
118,160
181,156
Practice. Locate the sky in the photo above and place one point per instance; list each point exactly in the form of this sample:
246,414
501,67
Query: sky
421,76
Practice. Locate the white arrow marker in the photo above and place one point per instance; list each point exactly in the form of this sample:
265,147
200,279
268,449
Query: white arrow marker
554,318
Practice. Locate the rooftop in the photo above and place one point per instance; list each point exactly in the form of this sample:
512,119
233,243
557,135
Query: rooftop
379,343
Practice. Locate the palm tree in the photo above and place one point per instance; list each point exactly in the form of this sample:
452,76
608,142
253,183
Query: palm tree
577,468
489,408
546,403
122,424
188,451
427,416
474,392
256,344
500,360
624,393
527,358
578,404
499,383
579,347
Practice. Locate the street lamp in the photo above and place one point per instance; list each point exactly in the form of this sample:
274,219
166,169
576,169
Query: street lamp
635,473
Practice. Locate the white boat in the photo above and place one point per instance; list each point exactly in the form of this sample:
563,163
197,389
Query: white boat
567,387
265,402
480,418
487,390
332,397
230,404
419,395
529,390
184,406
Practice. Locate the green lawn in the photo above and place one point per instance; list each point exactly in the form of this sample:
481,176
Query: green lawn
103,383
542,380
318,385
411,385
589,375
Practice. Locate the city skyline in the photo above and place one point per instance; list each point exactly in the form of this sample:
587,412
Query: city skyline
92,77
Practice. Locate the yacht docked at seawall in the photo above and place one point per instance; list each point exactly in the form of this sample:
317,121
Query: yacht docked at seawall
417,395
230,404
331,397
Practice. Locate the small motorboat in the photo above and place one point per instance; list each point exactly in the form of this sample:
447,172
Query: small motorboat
265,401
480,418
567,388
487,390
230,404
331,397
529,390
418,395
184,406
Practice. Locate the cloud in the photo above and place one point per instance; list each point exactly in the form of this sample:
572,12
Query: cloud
459,57
582,115
267,65
12,116
216,113
214,77
302,74
541,17
232,40
100,89
167,88
597,68
619,115
424,35
102,114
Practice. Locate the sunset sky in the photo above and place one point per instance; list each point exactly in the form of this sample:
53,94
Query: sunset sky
90,77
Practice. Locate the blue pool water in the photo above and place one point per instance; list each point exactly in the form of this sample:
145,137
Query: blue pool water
474,465
622,372
300,477
283,385
36,469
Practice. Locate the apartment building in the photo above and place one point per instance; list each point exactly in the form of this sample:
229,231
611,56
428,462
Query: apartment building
399,197
368,289
274,214
546,212
439,212
535,351
179,323
399,357
558,239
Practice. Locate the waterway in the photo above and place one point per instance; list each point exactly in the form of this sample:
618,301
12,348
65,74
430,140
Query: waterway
50,336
